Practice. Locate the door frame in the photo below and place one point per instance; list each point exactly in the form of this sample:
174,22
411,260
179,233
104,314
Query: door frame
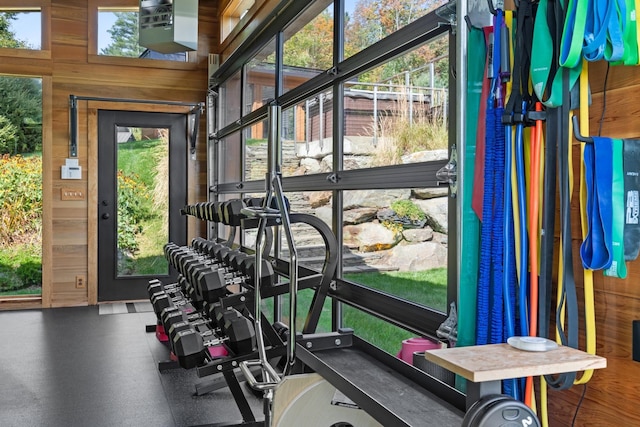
91,109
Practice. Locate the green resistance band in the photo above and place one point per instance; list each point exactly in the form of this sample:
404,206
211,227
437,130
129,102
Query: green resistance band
630,36
543,71
573,33
618,267
471,225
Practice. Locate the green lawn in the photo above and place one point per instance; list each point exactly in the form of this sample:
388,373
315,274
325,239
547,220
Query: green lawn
427,287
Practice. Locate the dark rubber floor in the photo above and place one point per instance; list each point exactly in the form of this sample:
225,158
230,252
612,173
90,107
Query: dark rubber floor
72,367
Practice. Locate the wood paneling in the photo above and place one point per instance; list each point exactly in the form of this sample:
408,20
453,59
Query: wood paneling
70,65
610,398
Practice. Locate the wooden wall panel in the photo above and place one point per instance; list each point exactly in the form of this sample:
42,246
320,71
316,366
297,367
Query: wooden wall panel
70,67
610,395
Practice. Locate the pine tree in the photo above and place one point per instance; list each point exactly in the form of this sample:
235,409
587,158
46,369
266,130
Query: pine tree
21,106
124,36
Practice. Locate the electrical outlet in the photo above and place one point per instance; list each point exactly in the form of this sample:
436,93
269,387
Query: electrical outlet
81,282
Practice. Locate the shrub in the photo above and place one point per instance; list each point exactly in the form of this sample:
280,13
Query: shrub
133,208
20,267
403,132
408,209
8,135
20,199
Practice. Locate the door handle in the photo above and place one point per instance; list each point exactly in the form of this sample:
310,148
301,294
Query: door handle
105,216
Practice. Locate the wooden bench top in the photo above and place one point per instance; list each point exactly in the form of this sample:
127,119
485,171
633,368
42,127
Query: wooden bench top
501,361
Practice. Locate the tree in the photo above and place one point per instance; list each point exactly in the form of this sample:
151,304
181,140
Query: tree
312,46
21,105
373,20
8,136
124,36
8,37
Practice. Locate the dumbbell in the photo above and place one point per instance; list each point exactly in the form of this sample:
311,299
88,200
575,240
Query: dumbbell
211,213
161,300
211,284
189,343
216,313
205,246
212,315
233,212
184,313
156,285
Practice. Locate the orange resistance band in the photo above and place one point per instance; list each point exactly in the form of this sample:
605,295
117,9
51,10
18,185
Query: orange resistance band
534,181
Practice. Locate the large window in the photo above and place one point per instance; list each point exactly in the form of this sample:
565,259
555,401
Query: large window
367,22
118,36
308,47
366,132
22,29
25,29
20,185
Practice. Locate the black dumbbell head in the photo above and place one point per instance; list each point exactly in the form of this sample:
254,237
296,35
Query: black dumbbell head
160,301
188,347
171,315
211,284
232,212
266,275
241,333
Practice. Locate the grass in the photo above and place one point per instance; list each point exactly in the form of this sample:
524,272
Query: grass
427,287
255,141
137,157
21,270
35,290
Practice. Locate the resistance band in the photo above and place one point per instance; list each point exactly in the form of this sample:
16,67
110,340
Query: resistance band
618,267
567,302
471,227
632,198
589,309
546,77
596,250
489,325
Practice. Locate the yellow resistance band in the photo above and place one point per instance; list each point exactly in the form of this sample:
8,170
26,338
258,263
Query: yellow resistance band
589,309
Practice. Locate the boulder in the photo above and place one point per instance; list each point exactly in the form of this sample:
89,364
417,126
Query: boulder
441,238
358,215
314,149
416,257
373,198
310,165
370,237
325,213
430,193
436,211
326,164
358,145
318,198
425,156
417,235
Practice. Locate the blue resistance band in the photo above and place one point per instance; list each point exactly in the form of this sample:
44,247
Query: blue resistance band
490,312
509,273
596,250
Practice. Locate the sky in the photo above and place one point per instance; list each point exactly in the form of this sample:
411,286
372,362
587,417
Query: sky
27,27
